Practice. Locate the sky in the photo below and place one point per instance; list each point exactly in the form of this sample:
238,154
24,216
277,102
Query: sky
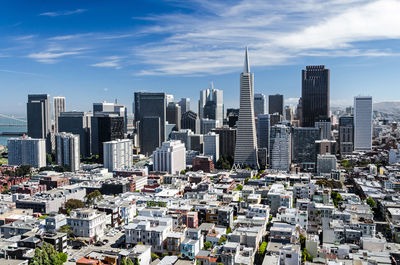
94,51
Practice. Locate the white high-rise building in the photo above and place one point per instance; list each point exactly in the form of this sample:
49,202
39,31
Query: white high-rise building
246,140
260,106
170,157
27,151
280,147
68,150
211,104
59,106
362,123
211,145
118,154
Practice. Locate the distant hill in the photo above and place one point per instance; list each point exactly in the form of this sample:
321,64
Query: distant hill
389,107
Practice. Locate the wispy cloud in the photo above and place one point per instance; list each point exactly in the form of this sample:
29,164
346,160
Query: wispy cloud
19,72
62,13
110,62
50,56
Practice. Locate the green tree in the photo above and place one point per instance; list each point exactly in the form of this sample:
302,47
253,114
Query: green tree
207,245
263,247
63,257
306,256
154,256
239,187
302,241
93,197
65,229
222,240
47,255
371,202
72,204
49,159
336,197
127,261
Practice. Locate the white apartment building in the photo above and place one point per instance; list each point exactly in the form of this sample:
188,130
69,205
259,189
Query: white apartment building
278,197
170,157
118,154
362,123
149,231
27,151
211,145
68,150
88,223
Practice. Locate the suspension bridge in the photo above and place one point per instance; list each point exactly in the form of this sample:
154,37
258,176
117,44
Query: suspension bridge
11,121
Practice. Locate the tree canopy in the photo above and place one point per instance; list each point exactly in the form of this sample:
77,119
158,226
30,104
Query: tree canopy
48,255
93,197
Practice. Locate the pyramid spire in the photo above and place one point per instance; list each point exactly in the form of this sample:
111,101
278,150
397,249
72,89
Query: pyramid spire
246,67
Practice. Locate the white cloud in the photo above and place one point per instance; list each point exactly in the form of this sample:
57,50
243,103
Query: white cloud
212,41
62,13
110,62
50,56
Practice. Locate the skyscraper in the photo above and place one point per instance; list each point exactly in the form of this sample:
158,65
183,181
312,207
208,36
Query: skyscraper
211,104
315,95
362,123
346,135
289,114
259,104
105,127
227,140
185,105
246,141
275,104
280,147
150,115
190,121
206,125
39,118
67,150
303,146
325,128
211,145
173,115
263,130
59,106
112,108
77,122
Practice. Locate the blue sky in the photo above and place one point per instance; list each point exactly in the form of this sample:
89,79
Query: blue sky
91,51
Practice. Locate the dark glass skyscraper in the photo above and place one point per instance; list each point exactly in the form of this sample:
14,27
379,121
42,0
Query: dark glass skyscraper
275,104
173,115
346,135
190,121
105,128
77,123
315,95
150,115
39,118
303,145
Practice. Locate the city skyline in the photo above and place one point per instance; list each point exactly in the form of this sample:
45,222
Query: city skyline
83,52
